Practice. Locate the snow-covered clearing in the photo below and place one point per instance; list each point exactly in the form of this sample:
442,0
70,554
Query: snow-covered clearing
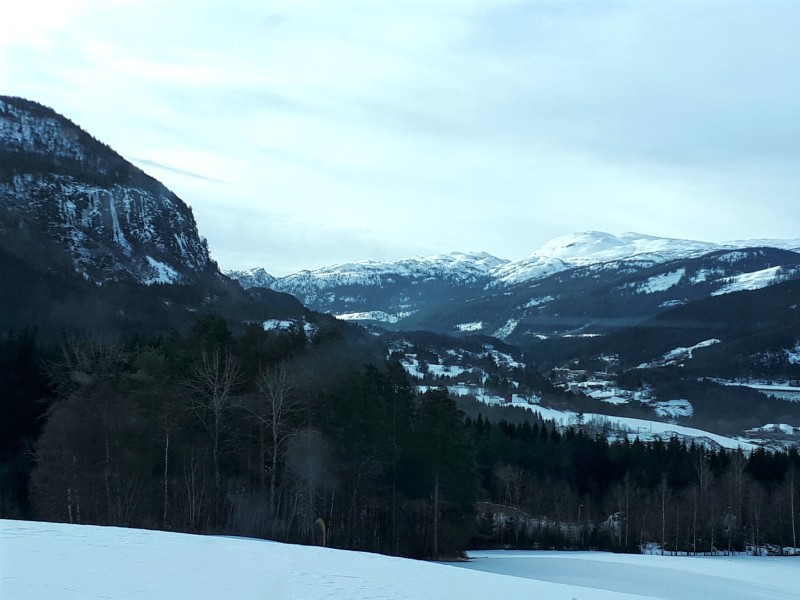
56,561
678,355
749,281
374,315
162,272
661,283
643,429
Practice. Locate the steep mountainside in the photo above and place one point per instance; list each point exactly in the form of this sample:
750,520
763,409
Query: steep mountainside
85,235
604,297
754,333
59,185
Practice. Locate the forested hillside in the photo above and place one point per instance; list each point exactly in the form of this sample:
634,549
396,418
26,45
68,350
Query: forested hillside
274,434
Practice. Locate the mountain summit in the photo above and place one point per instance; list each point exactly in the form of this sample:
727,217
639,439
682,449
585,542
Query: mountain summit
597,246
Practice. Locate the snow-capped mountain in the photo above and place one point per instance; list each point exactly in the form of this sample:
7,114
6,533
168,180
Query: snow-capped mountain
60,186
252,278
348,290
574,284
595,247
457,268
592,247
606,296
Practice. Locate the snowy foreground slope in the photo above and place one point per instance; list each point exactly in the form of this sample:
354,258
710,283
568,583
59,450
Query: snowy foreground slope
57,561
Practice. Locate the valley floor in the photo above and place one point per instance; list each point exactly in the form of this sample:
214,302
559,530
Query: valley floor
57,561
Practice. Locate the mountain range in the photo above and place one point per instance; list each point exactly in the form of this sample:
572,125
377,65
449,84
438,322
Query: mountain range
586,283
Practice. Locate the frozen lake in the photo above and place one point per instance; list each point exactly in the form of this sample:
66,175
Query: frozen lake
667,577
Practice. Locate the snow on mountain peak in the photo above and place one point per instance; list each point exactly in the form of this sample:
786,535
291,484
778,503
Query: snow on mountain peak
596,246
453,266
593,247
558,254
255,277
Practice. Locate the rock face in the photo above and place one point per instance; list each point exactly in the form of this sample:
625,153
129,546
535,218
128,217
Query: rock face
63,192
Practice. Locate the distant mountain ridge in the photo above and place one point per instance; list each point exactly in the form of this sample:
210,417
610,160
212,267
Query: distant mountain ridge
580,283
559,254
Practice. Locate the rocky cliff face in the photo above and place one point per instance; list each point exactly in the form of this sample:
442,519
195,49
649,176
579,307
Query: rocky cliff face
62,190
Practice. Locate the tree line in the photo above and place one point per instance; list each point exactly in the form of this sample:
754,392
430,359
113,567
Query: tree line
265,434
574,489
317,441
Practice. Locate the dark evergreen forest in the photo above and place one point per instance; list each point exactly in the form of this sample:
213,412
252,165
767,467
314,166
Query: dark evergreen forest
270,434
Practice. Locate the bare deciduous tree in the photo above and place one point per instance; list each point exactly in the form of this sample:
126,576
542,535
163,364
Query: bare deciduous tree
210,391
276,408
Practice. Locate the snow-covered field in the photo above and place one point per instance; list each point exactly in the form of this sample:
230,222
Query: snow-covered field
49,561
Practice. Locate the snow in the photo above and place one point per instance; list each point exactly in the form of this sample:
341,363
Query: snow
474,326
539,301
793,355
411,366
666,577
671,303
82,562
781,428
528,269
781,391
592,247
644,429
163,273
608,396
678,355
562,253
507,329
661,283
119,236
674,408
374,315
278,324
256,277
749,281
446,370
458,267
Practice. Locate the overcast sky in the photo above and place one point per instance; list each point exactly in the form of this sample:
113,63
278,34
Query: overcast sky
313,132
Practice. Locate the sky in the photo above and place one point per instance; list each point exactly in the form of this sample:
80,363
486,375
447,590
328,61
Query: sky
311,132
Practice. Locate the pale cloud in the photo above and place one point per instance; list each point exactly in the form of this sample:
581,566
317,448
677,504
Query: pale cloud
309,132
